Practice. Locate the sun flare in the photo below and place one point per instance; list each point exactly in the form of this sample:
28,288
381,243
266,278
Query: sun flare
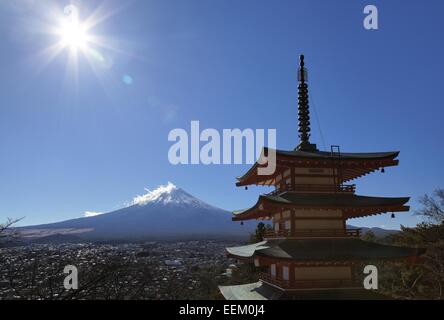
74,36
73,33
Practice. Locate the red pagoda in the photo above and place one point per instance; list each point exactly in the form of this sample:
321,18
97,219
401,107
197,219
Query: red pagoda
310,252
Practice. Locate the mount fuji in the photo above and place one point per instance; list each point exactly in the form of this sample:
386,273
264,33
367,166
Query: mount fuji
168,212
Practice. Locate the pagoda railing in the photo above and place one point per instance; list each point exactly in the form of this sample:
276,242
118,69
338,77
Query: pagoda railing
354,233
324,283
305,284
327,188
277,234
274,280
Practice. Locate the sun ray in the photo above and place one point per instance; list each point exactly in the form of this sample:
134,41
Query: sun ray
102,13
47,55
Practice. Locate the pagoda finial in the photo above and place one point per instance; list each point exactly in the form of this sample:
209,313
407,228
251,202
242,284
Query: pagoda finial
303,110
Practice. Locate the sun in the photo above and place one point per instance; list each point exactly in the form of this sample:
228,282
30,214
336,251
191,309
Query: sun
73,33
74,36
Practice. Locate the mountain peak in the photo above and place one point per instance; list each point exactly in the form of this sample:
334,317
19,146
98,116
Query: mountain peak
168,194
163,191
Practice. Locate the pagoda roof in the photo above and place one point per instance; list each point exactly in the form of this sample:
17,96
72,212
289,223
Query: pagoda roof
352,205
344,156
353,165
263,291
304,250
251,291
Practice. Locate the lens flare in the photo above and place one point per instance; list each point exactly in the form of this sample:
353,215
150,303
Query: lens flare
73,33
127,79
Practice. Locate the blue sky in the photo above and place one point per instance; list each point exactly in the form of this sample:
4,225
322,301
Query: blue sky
92,143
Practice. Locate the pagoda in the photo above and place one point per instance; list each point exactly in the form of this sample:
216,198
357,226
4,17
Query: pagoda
309,251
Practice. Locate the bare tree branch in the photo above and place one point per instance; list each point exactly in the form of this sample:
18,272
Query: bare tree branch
433,206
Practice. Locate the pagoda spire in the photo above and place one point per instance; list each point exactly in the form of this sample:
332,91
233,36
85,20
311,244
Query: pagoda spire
303,110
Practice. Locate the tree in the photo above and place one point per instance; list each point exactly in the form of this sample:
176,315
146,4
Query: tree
259,234
433,206
369,236
425,279
5,229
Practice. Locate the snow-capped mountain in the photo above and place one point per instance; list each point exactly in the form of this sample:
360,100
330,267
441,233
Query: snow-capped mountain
167,212
170,195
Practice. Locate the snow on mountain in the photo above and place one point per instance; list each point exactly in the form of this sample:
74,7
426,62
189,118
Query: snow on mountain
91,213
171,195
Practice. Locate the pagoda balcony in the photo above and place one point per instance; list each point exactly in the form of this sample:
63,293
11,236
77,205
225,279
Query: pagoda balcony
313,233
314,188
306,284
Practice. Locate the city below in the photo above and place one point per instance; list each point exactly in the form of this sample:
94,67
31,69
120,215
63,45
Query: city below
148,270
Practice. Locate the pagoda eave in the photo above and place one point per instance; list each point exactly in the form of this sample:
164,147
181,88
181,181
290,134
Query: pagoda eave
251,291
321,252
415,258
360,213
352,206
349,213
263,290
353,165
